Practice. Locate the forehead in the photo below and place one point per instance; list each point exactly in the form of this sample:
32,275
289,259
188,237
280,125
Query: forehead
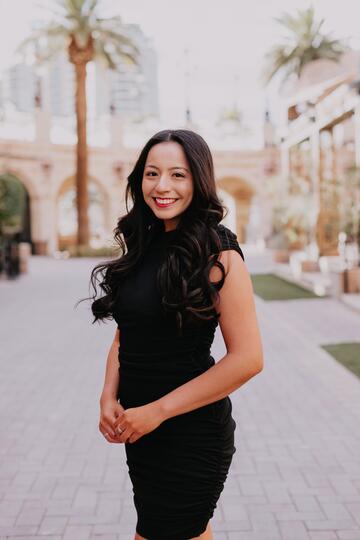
166,153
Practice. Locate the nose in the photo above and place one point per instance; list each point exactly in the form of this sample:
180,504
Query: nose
163,184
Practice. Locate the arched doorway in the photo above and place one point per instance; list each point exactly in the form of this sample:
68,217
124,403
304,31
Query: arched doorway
67,215
242,194
15,211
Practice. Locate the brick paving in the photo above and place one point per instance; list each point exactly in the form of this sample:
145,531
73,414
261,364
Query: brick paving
296,472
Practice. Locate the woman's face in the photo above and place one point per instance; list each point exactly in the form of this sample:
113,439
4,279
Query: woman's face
167,184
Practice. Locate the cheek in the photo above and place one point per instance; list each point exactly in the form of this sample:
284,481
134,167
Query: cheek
191,194
188,192
145,187
188,196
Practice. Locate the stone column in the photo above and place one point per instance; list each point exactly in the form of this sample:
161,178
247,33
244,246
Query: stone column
42,123
357,134
116,132
316,183
39,224
284,168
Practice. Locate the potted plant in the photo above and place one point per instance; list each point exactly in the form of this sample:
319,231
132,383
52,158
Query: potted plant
290,227
279,241
12,204
350,224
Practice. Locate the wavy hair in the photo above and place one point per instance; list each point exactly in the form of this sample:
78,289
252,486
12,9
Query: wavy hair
183,277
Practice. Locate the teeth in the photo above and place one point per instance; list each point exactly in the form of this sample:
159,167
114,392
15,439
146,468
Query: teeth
165,201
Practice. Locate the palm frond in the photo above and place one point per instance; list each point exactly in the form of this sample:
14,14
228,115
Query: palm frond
102,53
303,43
50,33
78,19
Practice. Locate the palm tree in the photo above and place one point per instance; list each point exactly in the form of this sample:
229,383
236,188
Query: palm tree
305,42
77,29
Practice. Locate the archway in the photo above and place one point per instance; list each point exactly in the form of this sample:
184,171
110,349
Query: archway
242,194
67,215
15,208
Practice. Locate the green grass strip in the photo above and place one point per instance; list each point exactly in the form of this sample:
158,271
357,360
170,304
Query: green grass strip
273,287
348,354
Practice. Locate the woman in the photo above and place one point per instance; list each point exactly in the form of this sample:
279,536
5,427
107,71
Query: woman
164,396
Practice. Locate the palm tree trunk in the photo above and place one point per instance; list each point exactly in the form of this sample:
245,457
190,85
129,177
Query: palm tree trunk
82,199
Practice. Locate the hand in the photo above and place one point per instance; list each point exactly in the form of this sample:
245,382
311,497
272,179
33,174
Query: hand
137,421
110,409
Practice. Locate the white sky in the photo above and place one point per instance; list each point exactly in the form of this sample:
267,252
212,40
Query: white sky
226,40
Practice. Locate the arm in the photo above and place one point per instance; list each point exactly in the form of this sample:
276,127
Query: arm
111,382
110,409
239,326
243,360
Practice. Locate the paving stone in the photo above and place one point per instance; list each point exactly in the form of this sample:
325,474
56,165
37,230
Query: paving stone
30,517
21,530
53,525
323,535
77,532
294,530
348,535
32,537
329,525
255,535
217,536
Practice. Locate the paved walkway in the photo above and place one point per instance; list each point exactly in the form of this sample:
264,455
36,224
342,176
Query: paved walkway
296,472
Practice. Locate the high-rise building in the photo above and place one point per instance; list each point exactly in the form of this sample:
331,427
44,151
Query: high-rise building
19,87
130,90
60,86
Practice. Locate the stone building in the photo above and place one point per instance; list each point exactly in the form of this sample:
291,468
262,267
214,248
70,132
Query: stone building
47,171
320,143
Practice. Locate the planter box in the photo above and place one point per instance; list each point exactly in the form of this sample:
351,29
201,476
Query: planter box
352,280
310,266
24,254
281,256
337,283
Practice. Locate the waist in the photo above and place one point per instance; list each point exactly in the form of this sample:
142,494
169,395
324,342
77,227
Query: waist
161,361
145,341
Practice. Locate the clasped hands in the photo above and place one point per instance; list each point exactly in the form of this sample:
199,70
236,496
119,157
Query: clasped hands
119,425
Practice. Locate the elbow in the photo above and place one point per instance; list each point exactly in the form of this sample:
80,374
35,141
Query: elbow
254,365
258,359
247,365
258,362
259,365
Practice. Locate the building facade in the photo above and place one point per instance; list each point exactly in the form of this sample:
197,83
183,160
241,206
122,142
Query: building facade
320,147
47,172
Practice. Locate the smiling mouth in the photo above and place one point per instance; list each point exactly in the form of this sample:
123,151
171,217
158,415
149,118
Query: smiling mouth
164,201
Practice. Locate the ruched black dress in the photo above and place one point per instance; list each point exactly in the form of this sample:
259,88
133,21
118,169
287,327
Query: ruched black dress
179,469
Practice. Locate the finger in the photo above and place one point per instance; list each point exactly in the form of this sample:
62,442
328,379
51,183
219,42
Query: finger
106,427
110,439
118,429
117,421
125,435
134,437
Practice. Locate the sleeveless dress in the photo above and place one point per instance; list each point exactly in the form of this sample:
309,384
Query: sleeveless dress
178,470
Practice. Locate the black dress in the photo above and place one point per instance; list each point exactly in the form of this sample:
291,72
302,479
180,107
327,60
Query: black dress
179,469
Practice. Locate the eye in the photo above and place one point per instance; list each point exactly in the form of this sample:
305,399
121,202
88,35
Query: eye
179,175
150,173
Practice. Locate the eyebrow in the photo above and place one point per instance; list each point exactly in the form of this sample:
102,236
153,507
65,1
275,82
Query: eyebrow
171,168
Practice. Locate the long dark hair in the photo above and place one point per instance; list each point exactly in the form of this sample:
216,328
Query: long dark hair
183,277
